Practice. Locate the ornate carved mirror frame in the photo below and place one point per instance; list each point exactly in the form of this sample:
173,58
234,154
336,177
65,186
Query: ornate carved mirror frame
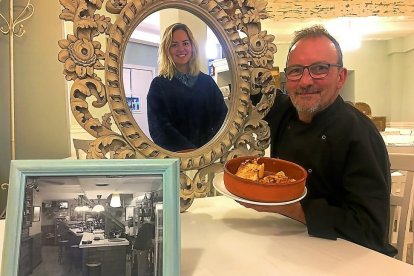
249,57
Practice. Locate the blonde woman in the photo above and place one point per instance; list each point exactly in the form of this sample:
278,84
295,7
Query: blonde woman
185,106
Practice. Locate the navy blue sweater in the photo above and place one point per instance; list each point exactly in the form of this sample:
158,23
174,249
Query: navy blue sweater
182,117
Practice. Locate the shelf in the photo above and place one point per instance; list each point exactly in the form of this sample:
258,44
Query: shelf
220,65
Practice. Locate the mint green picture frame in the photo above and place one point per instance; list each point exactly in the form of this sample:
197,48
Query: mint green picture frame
21,170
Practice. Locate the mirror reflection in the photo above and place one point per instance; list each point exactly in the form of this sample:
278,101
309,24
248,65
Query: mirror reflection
82,224
176,80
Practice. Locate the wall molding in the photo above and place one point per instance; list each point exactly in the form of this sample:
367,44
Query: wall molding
292,9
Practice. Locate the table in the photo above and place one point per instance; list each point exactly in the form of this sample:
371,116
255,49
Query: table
221,237
110,253
409,148
101,242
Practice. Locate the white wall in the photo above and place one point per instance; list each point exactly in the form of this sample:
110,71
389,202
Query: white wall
371,72
41,121
407,70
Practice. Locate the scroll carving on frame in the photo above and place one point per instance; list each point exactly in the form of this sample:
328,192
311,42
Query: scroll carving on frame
95,71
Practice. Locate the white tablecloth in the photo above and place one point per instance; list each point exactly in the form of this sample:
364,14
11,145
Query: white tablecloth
2,223
221,237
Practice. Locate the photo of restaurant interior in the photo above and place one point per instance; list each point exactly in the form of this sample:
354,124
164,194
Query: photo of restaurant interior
86,225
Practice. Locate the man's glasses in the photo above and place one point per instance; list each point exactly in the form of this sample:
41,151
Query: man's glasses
316,71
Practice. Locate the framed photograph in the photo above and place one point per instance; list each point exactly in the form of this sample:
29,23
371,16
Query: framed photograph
134,104
36,213
83,231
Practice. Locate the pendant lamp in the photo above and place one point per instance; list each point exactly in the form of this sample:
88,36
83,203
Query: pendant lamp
98,207
115,200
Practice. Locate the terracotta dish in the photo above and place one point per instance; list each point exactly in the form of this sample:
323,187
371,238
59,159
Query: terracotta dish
269,192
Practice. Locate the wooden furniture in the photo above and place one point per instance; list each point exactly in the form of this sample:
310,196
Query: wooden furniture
248,59
221,237
364,108
81,147
63,244
75,257
110,253
28,208
25,259
36,250
25,262
111,258
401,149
402,203
93,269
379,121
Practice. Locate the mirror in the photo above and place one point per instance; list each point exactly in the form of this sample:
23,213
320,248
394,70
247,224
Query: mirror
99,41
141,66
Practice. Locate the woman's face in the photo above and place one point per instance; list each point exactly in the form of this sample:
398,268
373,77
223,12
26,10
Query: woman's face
181,50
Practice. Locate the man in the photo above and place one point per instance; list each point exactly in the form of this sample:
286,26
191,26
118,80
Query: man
346,159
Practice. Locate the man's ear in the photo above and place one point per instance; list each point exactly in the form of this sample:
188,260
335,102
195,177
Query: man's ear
342,77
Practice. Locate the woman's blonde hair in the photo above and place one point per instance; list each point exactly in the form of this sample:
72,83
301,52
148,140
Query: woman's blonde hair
165,61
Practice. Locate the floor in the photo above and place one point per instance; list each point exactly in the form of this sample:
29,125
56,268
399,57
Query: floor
51,267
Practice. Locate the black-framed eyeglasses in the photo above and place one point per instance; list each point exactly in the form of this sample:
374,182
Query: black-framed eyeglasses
316,71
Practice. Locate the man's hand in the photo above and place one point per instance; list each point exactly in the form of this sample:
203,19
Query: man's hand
293,211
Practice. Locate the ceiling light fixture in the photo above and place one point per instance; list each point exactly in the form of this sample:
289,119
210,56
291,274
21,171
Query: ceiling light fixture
81,207
101,184
348,32
115,200
78,208
98,207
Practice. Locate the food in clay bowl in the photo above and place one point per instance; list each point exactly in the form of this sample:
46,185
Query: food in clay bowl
264,179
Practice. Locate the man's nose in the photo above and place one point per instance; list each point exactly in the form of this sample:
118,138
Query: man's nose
306,77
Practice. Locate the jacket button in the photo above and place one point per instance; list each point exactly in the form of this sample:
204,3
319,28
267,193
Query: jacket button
324,137
309,170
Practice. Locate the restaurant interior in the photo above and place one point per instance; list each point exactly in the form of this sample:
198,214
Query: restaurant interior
75,226
81,225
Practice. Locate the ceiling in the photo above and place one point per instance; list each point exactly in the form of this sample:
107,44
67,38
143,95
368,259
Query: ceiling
368,28
369,19
365,28
69,187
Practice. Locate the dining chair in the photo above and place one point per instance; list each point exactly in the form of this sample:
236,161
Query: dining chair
401,207
364,108
81,147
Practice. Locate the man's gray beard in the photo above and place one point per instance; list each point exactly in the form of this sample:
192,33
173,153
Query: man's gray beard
310,111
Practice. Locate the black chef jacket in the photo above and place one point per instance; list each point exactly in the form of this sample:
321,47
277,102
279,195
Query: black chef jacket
348,168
